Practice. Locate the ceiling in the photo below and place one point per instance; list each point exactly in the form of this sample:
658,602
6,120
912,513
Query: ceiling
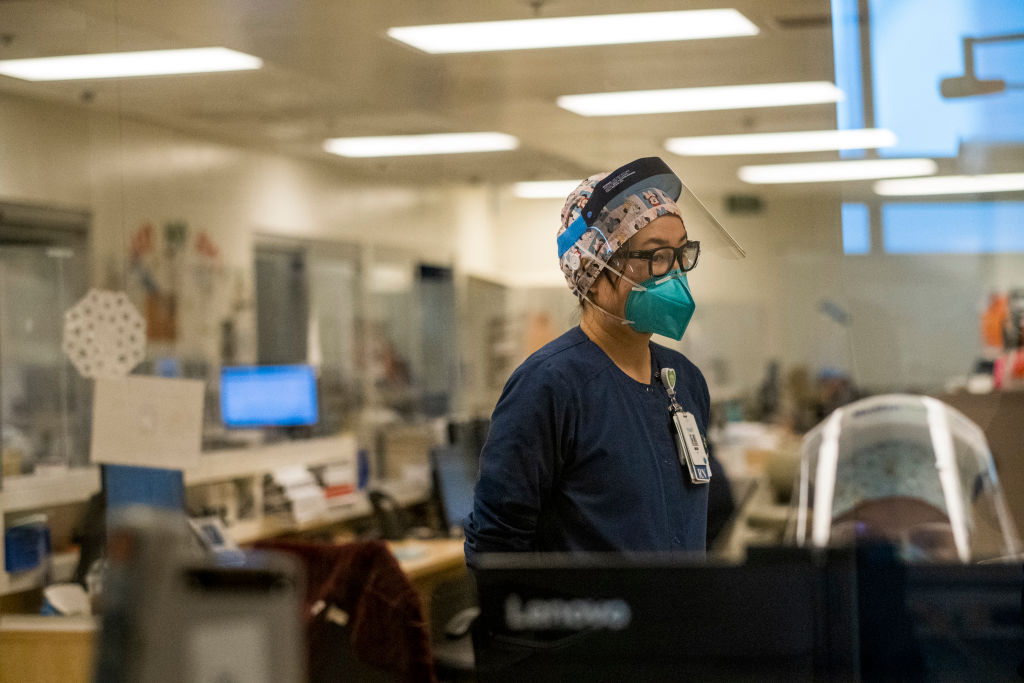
330,70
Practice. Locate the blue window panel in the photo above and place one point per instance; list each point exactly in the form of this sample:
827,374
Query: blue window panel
915,44
953,228
856,229
847,60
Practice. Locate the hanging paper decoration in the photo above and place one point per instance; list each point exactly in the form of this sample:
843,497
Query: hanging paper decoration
104,335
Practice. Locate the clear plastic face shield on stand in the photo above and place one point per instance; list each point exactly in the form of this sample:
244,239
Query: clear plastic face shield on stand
904,470
597,233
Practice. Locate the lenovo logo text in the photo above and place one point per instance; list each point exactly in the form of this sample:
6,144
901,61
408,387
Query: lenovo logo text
554,614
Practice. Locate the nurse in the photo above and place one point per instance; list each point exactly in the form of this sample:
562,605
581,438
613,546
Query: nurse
598,440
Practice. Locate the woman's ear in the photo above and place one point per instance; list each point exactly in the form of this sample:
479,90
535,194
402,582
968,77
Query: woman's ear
603,287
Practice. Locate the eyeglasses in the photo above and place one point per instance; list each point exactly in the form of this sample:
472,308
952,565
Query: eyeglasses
661,260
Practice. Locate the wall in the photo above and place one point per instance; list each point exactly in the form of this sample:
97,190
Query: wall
125,172
129,174
913,318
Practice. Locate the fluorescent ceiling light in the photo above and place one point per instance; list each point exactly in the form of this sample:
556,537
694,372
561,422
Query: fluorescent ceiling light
124,64
700,99
828,171
952,184
605,29
410,145
779,143
544,189
390,278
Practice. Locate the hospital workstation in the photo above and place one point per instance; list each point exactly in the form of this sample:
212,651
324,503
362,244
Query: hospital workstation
320,328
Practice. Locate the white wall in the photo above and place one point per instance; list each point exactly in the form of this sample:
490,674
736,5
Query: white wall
43,154
126,172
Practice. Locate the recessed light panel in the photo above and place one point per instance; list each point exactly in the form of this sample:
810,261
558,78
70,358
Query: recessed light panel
781,143
701,99
603,29
413,145
951,184
833,171
127,64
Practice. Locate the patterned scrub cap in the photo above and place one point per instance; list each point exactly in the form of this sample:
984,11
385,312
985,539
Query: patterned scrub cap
891,467
613,227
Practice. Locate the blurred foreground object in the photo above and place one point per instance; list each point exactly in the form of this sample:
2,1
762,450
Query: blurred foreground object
784,614
904,470
171,614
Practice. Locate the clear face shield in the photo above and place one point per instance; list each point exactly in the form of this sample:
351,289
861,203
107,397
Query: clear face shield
613,214
904,470
701,225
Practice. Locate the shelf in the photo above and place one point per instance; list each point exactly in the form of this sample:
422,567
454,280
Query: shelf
10,623
36,491
405,493
21,581
246,462
75,485
63,565
42,491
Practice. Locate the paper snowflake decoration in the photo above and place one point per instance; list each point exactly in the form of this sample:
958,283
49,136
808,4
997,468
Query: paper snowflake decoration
104,335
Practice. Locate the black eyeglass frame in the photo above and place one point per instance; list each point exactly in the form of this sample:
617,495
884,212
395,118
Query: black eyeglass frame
677,253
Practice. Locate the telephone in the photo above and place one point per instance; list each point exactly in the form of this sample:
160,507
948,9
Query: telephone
388,515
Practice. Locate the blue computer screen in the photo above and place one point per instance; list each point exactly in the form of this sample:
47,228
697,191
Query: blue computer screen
455,469
128,485
268,396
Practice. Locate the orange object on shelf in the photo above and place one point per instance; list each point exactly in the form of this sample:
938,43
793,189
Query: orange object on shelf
993,318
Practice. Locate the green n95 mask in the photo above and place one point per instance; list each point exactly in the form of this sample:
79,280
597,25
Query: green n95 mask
661,305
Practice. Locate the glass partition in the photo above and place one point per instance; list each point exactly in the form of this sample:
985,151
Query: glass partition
44,402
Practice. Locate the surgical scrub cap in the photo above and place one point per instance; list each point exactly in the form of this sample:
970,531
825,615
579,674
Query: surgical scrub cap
614,226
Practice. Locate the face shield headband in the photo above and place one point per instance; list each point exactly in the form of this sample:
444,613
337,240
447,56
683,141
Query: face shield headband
642,173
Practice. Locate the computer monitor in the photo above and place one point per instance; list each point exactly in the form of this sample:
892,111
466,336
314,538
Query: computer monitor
454,470
126,486
781,615
268,396
939,622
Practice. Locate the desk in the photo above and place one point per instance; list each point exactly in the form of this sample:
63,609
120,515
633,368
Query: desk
28,642
37,648
429,562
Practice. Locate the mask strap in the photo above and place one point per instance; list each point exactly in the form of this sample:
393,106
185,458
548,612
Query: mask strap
604,266
622,321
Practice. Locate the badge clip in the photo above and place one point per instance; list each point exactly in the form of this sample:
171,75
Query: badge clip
689,442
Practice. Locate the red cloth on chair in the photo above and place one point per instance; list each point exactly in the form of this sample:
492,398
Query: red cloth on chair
385,625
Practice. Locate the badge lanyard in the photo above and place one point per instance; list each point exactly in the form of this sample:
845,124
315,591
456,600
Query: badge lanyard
689,442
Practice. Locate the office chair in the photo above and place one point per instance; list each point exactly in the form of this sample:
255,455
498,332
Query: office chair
364,619
453,607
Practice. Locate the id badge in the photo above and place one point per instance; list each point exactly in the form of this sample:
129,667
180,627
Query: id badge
691,449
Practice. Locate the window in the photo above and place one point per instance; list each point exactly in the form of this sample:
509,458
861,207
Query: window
953,228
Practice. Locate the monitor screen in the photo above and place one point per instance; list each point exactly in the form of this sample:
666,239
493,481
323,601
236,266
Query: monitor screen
268,396
454,469
127,485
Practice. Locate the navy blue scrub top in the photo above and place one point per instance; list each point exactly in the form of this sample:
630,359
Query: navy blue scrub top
580,457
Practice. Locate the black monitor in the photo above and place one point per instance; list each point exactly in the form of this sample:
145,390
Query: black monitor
784,614
454,470
939,622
